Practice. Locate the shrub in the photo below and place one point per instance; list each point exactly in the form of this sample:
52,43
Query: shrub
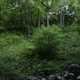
50,49
71,47
42,51
72,28
46,41
11,46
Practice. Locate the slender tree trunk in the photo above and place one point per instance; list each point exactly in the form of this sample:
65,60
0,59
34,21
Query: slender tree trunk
38,18
62,18
29,22
47,19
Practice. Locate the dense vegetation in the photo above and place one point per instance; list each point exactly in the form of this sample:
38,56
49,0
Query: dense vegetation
38,35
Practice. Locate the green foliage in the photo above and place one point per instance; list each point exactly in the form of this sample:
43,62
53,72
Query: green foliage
22,15
11,45
49,47
71,45
46,41
43,52
48,50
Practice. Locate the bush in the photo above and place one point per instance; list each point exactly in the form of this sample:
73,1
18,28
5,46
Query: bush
11,46
49,49
71,46
42,51
46,41
72,28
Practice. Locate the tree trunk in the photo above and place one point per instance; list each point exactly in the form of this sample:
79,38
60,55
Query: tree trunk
62,18
38,18
47,17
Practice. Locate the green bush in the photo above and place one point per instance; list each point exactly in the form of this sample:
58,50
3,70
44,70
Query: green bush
72,28
11,46
49,49
46,41
71,46
42,51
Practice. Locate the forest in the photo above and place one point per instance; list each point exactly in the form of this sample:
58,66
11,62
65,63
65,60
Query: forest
38,37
